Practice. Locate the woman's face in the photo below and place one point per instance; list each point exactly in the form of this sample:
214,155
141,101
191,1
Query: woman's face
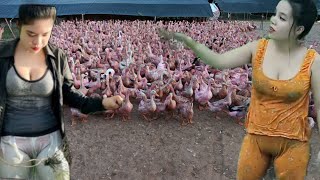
35,36
281,22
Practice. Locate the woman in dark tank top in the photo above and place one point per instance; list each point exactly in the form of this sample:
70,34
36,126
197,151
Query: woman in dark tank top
32,134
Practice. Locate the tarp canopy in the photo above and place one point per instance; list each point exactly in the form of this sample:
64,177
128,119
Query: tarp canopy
159,8
251,6
248,6
318,6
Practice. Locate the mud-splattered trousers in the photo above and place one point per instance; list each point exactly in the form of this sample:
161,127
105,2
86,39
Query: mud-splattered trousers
17,152
277,122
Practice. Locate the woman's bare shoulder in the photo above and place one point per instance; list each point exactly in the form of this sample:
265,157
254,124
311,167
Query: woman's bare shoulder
316,63
254,46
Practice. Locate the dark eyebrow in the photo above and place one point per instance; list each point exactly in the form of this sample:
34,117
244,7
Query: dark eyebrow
282,13
30,32
35,33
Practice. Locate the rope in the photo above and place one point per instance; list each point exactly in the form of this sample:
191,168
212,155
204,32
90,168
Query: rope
29,161
52,161
49,161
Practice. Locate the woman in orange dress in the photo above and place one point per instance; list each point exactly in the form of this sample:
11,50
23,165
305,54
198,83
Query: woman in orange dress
284,72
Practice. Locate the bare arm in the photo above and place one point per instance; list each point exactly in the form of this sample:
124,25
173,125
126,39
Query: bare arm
315,84
230,59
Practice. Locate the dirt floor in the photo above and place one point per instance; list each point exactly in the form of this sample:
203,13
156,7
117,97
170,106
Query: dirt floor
162,149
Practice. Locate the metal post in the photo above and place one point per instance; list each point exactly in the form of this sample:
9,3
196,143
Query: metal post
10,28
262,19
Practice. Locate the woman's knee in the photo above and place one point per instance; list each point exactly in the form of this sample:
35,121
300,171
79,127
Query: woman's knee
9,171
56,167
13,163
293,163
252,164
251,172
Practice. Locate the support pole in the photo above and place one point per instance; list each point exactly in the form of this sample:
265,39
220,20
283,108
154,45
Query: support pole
10,28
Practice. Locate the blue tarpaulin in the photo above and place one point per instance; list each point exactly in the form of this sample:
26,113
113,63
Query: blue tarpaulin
159,8
318,6
251,6
248,6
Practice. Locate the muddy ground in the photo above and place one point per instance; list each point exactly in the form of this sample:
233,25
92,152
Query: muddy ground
163,149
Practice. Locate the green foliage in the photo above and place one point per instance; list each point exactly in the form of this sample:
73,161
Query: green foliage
7,33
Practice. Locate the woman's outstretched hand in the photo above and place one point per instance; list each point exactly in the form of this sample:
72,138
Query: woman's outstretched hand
175,36
167,35
111,103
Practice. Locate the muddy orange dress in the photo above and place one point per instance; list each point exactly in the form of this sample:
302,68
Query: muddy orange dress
277,123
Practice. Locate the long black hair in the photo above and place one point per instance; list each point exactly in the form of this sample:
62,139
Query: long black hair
304,13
